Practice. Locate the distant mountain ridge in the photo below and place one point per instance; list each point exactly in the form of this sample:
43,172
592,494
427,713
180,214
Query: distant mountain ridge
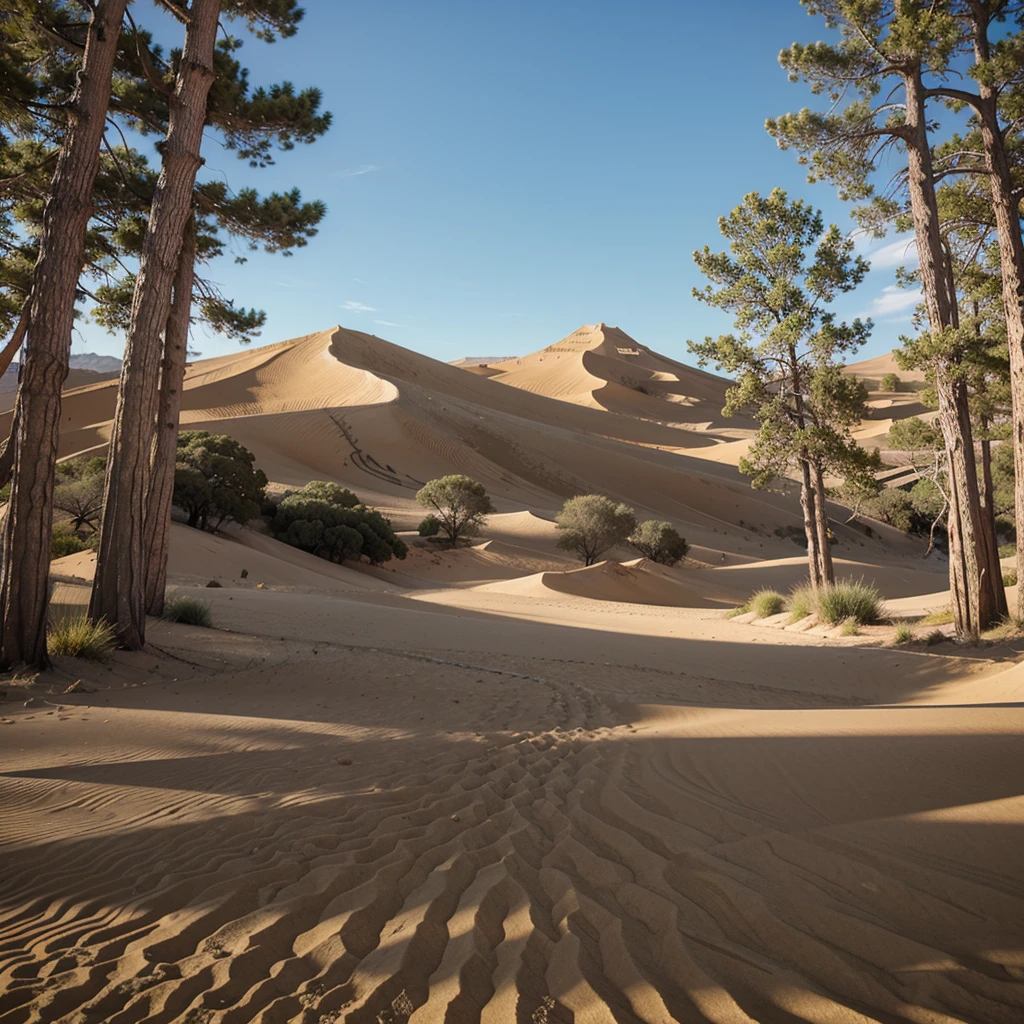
96,363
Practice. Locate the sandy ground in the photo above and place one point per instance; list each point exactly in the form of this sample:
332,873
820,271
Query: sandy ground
490,785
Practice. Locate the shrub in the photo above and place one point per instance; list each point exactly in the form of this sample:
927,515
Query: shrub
801,602
460,505
849,599
81,500
190,611
430,526
1007,550
1010,578
78,637
333,494
336,532
849,627
766,602
62,544
659,542
943,617
891,382
592,524
215,480
741,610
904,633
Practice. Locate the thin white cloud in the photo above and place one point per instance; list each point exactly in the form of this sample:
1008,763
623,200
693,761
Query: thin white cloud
356,307
386,323
355,172
360,280
893,303
901,253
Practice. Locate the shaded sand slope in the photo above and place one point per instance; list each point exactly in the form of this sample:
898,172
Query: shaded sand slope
382,420
603,367
501,821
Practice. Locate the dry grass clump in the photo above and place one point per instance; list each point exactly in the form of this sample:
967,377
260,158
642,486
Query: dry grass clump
849,627
801,602
904,633
849,599
940,618
79,637
1010,578
188,610
766,602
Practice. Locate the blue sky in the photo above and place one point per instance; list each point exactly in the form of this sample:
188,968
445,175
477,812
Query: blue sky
498,175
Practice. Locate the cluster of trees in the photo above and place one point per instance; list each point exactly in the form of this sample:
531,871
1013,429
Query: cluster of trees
83,216
893,66
590,525
329,521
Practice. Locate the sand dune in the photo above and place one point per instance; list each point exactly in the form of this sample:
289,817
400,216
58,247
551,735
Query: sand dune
487,784
604,368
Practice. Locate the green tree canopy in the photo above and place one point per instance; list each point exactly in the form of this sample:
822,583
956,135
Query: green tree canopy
460,504
591,524
216,481
659,541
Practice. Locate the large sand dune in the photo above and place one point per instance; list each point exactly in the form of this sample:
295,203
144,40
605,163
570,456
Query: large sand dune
488,785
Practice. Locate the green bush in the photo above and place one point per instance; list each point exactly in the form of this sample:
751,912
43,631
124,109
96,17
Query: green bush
1008,550
190,611
766,602
336,531
891,382
659,542
430,526
846,599
1010,578
78,637
801,602
64,540
591,524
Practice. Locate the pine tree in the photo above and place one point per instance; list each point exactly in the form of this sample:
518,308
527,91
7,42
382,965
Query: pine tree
140,465
782,271
24,587
892,45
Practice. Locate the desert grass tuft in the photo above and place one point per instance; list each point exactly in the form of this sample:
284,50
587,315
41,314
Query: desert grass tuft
943,617
733,612
1009,629
904,633
190,611
849,627
766,602
847,599
79,637
801,602
1010,578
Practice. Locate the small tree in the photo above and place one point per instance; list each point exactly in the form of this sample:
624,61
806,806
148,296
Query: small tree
216,481
659,542
81,500
333,494
460,504
891,382
592,524
781,273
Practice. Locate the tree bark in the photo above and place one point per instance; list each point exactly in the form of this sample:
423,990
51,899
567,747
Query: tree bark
972,594
827,570
1011,259
172,378
10,350
808,503
24,578
992,564
119,588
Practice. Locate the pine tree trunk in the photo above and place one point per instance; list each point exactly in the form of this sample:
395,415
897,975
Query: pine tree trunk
165,450
24,578
10,350
1011,259
827,570
808,504
988,524
119,588
972,594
